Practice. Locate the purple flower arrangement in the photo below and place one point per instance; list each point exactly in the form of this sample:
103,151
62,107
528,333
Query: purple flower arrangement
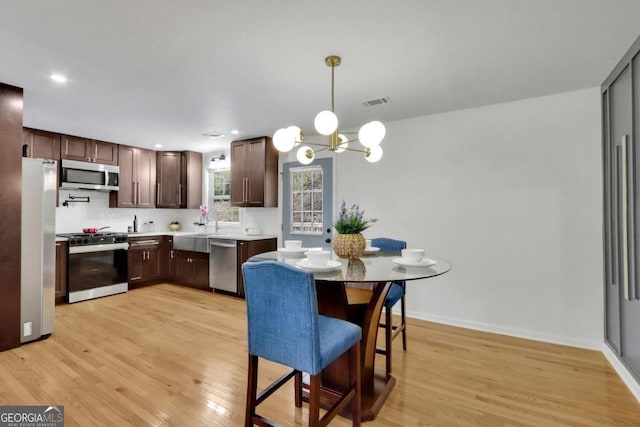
351,221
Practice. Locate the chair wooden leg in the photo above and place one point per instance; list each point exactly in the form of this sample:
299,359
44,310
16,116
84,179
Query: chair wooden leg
252,388
314,400
356,402
388,330
298,389
404,324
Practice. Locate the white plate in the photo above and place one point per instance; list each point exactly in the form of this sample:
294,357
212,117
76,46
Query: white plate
371,250
424,262
293,250
331,265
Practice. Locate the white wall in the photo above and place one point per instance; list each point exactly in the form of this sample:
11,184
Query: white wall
510,194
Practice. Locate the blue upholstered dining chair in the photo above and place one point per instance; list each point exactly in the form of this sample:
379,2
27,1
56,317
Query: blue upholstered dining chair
285,327
396,293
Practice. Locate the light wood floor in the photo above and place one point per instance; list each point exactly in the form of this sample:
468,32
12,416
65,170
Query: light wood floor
170,355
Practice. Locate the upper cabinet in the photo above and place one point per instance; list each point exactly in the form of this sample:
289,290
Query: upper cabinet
39,144
89,150
254,173
169,191
179,179
137,179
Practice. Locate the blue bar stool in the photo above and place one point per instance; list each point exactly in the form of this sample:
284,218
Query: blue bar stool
285,327
396,293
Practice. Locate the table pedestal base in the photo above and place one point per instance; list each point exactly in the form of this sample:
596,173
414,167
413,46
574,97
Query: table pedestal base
372,400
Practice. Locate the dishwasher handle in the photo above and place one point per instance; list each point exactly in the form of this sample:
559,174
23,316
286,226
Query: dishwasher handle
222,245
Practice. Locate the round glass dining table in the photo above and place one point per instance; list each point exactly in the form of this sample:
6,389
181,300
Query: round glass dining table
378,271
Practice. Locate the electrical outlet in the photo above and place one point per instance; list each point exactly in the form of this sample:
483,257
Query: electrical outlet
28,329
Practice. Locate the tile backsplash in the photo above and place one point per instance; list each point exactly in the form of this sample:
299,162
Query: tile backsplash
97,213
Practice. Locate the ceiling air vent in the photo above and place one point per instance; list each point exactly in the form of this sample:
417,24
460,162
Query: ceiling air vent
213,134
377,101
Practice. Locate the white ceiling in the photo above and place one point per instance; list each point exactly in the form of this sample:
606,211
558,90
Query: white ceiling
157,71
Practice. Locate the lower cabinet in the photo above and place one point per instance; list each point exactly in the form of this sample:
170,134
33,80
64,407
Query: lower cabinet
192,269
62,255
153,260
144,260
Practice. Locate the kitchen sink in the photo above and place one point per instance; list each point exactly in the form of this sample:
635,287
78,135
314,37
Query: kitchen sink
191,242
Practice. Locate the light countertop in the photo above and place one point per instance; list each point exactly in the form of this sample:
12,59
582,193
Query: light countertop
231,235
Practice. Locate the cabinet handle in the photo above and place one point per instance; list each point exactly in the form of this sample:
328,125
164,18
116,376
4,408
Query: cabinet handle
625,215
173,254
157,194
95,152
180,195
145,242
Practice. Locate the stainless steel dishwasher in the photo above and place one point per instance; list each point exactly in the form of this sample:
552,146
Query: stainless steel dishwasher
223,260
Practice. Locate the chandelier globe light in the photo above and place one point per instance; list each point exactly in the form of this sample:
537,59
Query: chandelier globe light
369,136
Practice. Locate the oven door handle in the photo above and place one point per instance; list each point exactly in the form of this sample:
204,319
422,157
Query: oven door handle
98,248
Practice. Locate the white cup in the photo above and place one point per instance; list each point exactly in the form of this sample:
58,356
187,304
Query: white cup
413,254
318,258
368,245
293,244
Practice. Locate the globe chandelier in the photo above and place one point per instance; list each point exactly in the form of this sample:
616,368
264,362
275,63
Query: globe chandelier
326,123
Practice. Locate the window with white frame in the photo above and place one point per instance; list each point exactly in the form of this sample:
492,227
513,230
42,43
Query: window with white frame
220,197
306,200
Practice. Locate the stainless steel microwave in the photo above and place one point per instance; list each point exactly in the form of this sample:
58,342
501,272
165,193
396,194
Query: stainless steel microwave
89,176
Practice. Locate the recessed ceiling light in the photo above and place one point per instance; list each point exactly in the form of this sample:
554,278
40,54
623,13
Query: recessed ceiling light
58,78
158,145
235,131
213,134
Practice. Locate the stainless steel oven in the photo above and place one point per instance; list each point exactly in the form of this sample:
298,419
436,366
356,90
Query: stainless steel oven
97,266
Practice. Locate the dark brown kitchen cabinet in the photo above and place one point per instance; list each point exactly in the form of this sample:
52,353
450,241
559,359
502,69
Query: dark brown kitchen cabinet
191,179
144,260
192,269
254,173
179,180
89,150
247,249
167,256
169,190
39,144
137,186
62,255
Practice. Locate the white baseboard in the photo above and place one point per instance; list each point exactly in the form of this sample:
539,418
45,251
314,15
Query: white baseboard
513,332
620,369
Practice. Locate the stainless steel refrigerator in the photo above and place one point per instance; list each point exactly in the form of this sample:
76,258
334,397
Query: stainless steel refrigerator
37,302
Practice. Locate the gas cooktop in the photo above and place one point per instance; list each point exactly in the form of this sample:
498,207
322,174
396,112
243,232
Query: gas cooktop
83,239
